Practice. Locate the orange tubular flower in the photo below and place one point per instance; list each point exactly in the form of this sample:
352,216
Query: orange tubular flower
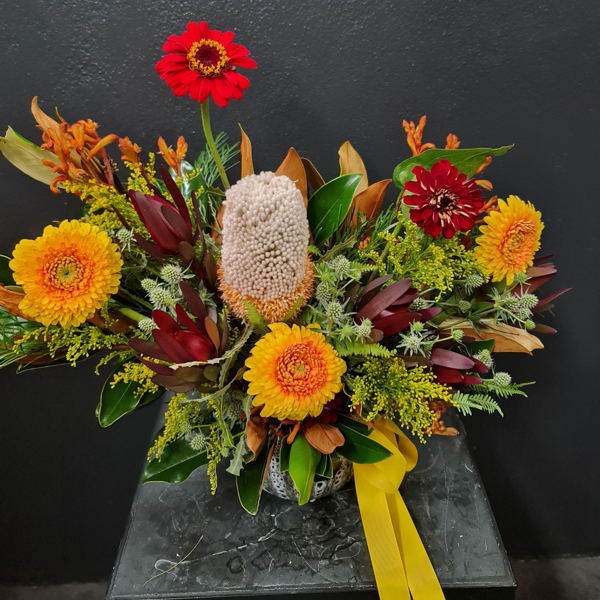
414,136
131,151
452,142
173,157
293,372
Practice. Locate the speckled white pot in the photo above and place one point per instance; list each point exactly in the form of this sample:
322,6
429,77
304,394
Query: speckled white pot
281,485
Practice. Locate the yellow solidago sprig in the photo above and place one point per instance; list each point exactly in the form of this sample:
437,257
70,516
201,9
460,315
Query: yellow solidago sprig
432,263
135,372
386,387
67,274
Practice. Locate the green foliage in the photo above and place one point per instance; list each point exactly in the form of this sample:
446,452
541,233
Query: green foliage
249,483
255,318
466,160
360,448
465,402
513,389
177,463
329,205
386,386
6,274
325,467
11,327
206,164
348,348
303,463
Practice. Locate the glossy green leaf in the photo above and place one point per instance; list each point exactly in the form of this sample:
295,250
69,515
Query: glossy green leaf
304,460
249,483
27,157
480,345
329,205
6,274
466,160
359,448
177,462
121,399
353,424
284,455
325,468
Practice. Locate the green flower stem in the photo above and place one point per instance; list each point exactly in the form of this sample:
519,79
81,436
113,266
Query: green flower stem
131,314
211,144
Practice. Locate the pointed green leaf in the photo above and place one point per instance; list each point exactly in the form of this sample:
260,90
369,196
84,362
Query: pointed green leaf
353,424
325,468
27,157
255,318
284,455
304,460
176,463
359,448
465,160
121,399
329,205
237,461
249,482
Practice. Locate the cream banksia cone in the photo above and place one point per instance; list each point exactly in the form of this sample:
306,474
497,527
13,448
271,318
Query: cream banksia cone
264,259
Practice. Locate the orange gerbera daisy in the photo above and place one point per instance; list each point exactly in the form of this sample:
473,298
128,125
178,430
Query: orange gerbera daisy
293,372
67,274
510,238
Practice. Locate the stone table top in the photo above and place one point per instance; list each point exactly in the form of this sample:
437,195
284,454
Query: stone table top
316,548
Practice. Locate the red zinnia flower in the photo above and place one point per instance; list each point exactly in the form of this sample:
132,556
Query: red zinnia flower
443,200
202,61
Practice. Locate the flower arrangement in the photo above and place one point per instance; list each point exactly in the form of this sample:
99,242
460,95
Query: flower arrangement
282,311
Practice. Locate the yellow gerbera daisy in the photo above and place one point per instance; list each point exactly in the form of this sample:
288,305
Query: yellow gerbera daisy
510,239
67,274
293,372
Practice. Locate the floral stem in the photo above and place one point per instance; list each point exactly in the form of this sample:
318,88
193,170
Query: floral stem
131,314
211,144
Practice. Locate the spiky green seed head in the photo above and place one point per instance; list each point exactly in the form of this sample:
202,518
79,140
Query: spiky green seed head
524,314
520,278
149,284
146,325
528,301
529,324
364,329
502,379
323,294
418,304
334,310
185,428
464,306
413,342
234,410
125,236
198,442
485,356
457,335
172,274
417,327
474,280
158,297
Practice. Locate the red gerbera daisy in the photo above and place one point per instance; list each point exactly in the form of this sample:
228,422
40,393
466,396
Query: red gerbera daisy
444,201
202,61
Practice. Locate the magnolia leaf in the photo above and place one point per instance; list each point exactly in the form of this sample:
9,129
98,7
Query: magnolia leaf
304,460
176,463
27,157
120,399
323,437
370,201
329,205
43,120
250,481
325,468
465,160
506,337
293,168
257,429
247,167
351,162
313,177
10,300
360,449
284,455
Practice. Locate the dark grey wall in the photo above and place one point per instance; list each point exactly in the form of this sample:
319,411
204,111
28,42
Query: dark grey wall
493,73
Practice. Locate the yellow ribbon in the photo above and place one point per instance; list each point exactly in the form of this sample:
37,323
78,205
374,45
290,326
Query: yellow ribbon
399,559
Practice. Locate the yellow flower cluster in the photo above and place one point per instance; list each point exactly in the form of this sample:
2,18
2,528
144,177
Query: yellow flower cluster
137,373
387,387
430,263
136,180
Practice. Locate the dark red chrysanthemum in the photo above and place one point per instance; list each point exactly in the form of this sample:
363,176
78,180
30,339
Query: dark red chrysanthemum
444,201
202,61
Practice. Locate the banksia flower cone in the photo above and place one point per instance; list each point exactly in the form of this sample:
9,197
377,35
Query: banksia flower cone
264,253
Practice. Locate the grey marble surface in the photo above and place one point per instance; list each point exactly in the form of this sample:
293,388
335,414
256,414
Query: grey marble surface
316,548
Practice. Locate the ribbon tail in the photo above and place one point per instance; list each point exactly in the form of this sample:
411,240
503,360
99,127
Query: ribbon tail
383,546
